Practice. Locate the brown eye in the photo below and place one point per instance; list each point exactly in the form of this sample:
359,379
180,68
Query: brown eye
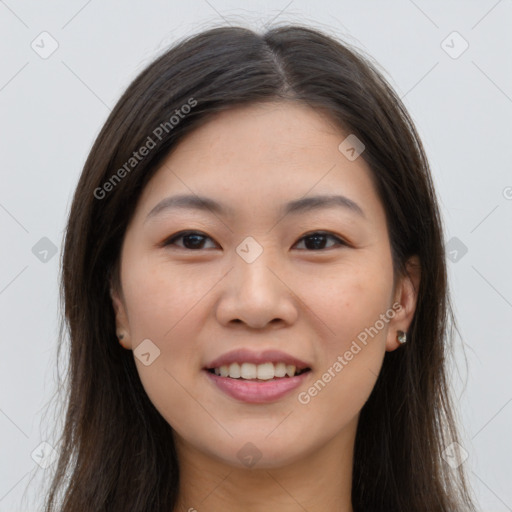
191,240
195,240
317,240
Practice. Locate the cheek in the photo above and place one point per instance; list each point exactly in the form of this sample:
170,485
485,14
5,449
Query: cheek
166,305
351,301
162,297
351,309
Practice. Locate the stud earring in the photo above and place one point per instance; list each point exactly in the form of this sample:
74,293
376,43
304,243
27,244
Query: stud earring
120,337
401,336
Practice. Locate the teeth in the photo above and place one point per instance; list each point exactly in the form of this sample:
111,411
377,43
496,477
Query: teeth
248,371
280,370
290,370
265,371
234,370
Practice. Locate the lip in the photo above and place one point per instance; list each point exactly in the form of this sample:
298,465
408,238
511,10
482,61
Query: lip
248,356
257,392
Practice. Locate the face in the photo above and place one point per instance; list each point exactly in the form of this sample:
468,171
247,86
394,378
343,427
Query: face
224,301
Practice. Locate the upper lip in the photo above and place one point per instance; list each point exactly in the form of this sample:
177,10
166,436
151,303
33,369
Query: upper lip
244,355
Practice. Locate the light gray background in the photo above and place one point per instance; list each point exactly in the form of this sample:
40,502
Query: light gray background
52,109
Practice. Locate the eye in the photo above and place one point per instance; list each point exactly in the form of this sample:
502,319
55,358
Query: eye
195,240
192,240
316,240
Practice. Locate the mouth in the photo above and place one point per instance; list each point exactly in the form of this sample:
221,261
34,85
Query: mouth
258,372
257,377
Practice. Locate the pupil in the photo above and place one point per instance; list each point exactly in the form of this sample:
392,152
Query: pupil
198,238
316,239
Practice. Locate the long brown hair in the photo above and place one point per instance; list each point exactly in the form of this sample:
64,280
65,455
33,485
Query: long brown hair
116,450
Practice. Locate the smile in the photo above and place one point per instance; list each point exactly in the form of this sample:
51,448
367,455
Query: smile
262,372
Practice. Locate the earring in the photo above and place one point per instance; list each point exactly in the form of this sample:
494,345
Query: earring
401,336
120,337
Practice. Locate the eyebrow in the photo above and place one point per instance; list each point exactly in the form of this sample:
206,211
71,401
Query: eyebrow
305,204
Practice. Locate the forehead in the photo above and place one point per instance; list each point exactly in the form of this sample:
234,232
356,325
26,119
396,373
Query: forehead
272,134
256,155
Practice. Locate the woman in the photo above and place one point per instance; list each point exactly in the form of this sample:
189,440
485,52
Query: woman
255,289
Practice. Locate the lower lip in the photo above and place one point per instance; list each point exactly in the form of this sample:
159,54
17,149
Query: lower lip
258,392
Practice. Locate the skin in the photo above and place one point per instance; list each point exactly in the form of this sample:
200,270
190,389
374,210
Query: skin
195,304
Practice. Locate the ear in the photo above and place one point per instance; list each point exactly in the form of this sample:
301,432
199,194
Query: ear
404,302
122,325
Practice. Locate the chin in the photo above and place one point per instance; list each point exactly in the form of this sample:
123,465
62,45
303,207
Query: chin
258,452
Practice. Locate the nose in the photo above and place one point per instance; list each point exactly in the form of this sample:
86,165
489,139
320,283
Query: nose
257,294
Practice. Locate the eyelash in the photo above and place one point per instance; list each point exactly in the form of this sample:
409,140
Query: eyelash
170,241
